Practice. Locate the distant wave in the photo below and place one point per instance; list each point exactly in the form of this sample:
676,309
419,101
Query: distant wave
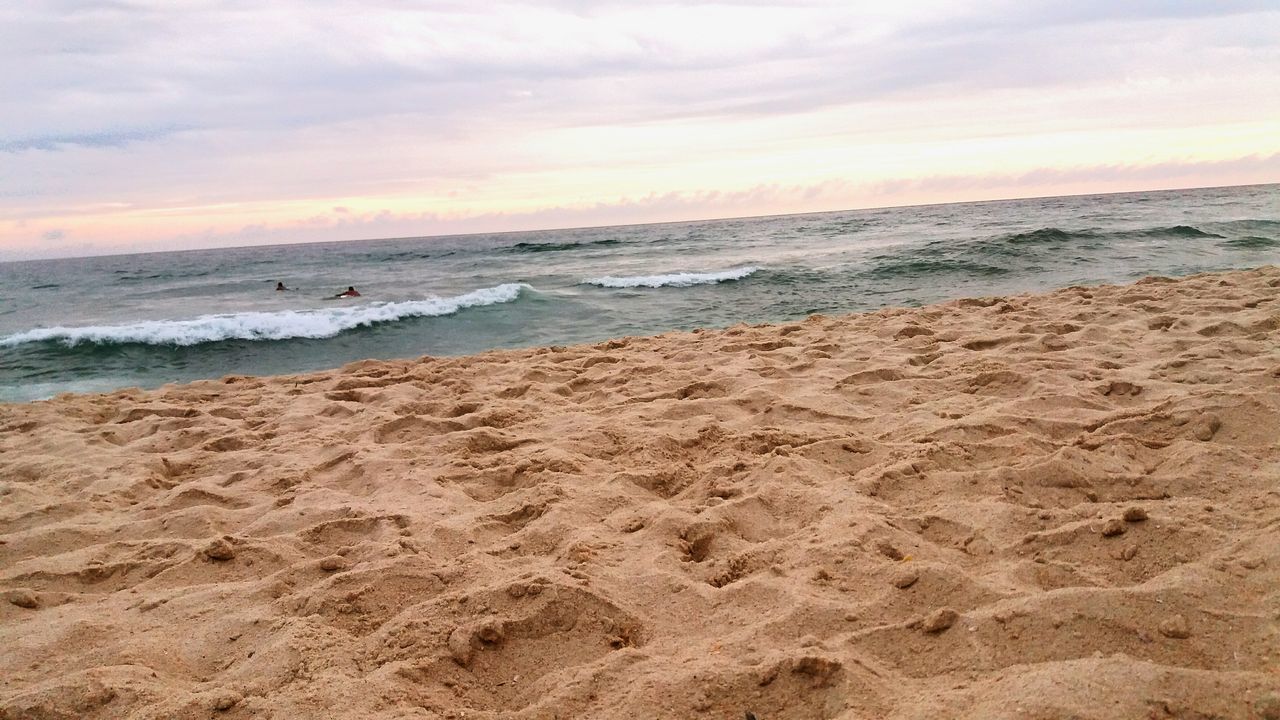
1255,225
1048,235
1185,231
1053,235
124,277
407,255
1252,242
921,267
279,325
672,280
534,247
1034,251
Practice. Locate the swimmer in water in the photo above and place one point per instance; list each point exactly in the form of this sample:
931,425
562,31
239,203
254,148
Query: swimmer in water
349,293
280,287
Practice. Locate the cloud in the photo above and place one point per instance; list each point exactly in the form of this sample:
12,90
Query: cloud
192,103
1109,178
290,65
105,139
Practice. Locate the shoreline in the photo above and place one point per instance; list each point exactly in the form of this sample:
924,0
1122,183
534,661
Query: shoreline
1024,506
116,323
532,350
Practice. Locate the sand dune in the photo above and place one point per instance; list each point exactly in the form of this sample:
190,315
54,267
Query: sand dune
1054,506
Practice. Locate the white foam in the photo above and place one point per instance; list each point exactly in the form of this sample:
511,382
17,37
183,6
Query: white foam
281,325
672,280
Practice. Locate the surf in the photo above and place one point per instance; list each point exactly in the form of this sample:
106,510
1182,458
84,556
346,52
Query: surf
278,325
686,279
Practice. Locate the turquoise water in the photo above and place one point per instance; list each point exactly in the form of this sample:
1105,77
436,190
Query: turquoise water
102,323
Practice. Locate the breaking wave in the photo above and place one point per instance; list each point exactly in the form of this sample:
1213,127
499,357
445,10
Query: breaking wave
671,280
279,325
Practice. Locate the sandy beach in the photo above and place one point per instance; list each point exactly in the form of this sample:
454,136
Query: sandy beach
1043,506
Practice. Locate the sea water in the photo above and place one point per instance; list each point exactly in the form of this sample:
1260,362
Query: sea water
96,324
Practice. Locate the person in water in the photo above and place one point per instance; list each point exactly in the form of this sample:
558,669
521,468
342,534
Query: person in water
350,292
280,287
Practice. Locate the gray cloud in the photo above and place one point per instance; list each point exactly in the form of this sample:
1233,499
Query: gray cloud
198,100
80,69
105,139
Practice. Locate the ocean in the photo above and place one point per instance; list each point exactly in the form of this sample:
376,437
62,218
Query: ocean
103,323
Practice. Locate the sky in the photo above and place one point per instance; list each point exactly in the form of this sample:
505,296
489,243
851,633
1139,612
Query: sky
132,126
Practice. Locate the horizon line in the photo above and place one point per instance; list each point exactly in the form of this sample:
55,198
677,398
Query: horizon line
304,243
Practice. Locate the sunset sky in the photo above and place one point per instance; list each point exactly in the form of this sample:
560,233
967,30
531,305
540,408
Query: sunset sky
132,126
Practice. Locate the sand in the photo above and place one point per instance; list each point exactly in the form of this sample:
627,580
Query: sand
1051,506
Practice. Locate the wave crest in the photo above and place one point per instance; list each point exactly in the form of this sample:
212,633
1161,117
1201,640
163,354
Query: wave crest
1251,242
280,325
672,280
924,267
1185,231
1053,235
535,247
1048,235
